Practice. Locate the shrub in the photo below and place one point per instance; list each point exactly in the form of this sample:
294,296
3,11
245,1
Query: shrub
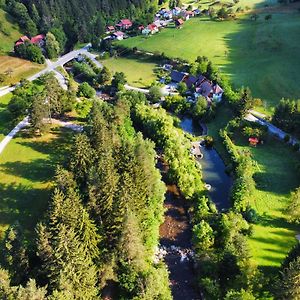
209,141
287,138
296,146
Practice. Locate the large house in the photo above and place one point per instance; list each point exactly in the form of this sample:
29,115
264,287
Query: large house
38,40
177,76
124,24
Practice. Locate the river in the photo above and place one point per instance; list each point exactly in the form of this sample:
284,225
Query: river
213,168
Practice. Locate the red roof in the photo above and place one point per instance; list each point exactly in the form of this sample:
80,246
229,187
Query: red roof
111,28
141,27
119,33
36,39
22,40
253,140
126,22
152,27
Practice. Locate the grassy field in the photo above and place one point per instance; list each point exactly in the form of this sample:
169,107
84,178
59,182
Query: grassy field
139,71
26,171
20,68
276,176
9,32
250,52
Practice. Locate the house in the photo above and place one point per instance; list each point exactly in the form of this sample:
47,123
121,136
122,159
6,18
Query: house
197,12
141,27
217,93
146,31
110,29
253,141
177,76
179,23
176,11
190,81
22,40
205,89
124,24
38,40
200,79
152,28
190,13
118,35
158,23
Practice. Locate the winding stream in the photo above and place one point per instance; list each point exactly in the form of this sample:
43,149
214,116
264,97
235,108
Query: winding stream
213,168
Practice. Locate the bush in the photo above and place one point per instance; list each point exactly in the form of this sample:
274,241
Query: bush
251,215
209,141
85,90
287,138
296,146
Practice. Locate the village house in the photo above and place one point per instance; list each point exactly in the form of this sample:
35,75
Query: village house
179,23
110,29
197,12
124,24
176,11
177,76
118,35
38,40
153,28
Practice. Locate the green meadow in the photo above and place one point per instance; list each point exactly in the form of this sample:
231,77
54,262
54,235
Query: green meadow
260,54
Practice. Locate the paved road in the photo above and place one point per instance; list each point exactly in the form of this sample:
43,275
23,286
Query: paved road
9,137
51,66
255,116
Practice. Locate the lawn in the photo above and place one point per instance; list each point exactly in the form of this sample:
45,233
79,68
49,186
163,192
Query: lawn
259,54
26,172
9,32
138,71
20,68
276,176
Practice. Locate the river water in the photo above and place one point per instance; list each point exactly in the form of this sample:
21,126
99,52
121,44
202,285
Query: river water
213,169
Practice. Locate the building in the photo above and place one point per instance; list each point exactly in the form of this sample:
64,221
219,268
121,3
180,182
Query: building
118,35
124,24
152,28
110,29
177,76
217,93
179,23
38,40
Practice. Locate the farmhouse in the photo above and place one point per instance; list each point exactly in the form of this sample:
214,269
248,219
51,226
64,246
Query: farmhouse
152,28
124,24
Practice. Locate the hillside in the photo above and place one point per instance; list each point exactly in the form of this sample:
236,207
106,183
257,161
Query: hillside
9,32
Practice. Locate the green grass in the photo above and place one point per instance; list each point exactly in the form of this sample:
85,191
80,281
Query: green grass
139,71
251,53
9,32
27,167
276,176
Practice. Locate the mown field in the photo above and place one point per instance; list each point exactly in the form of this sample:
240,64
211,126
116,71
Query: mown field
275,177
17,69
260,54
138,71
27,167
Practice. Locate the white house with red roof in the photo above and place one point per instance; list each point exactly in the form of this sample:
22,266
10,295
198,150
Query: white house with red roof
124,24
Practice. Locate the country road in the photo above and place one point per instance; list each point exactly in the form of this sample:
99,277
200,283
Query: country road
51,66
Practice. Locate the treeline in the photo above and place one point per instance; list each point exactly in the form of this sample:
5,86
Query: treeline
78,21
102,227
